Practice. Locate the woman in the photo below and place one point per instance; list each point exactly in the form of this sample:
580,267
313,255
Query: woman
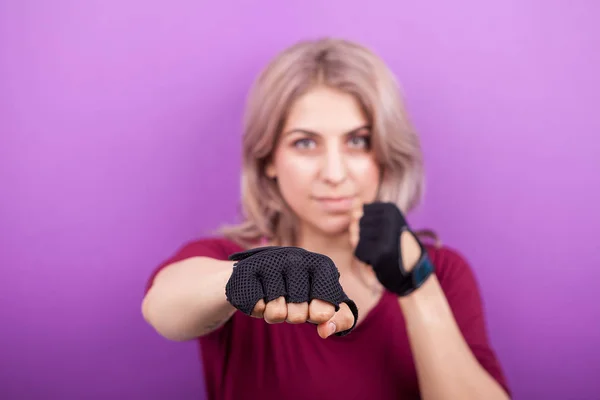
326,136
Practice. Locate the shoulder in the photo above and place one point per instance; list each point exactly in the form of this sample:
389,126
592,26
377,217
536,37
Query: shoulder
445,255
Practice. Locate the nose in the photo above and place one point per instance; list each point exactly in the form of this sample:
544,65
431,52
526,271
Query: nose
334,170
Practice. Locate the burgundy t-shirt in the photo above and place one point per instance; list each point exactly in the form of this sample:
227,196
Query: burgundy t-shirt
249,359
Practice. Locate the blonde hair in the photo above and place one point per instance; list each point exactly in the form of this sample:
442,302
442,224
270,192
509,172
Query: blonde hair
345,66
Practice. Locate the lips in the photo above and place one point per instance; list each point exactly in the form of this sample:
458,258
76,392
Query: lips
344,203
333,198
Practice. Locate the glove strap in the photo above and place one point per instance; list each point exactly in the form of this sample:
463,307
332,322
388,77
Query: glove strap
419,274
354,310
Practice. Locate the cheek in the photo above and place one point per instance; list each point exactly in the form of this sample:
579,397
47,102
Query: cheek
293,170
366,174
295,176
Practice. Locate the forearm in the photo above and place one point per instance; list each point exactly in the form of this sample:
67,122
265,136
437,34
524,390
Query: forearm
446,367
187,299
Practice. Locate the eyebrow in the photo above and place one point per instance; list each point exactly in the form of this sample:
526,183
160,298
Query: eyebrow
313,133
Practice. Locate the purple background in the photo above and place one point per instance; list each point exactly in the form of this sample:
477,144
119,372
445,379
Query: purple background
119,141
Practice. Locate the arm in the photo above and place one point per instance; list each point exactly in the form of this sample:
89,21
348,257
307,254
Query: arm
446,366
187,298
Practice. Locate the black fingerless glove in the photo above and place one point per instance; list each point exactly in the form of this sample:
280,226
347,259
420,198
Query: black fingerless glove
379,246
297,274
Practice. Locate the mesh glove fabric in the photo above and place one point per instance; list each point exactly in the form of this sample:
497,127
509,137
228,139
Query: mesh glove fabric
298,275
379,245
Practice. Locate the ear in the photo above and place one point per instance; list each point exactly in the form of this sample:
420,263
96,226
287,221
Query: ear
270,170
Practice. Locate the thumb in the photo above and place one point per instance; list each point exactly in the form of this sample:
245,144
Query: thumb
355,216
341,321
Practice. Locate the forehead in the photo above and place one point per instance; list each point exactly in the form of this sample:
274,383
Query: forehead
326,111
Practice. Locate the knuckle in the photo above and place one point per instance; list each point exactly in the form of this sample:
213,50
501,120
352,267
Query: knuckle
348,319
294,258
321,315
258,310
275,313
296,318
297,313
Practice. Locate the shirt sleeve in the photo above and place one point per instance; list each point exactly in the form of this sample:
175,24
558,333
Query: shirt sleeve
462,291
208,247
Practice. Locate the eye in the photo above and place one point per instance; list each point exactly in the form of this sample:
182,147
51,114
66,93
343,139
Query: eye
359,142
304,144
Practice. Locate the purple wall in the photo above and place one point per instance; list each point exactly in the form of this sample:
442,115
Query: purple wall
114,118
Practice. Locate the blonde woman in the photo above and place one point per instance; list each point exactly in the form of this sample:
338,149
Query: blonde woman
341,299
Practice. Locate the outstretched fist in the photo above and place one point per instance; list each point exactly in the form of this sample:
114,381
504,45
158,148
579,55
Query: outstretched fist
290,284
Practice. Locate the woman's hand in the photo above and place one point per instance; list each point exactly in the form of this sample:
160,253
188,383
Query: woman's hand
354,229
381,238
408,242
290,284
318,312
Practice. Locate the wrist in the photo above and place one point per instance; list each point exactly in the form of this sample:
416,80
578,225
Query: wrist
416,265
422,304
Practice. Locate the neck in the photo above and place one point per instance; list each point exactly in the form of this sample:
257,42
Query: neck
337,247
341,252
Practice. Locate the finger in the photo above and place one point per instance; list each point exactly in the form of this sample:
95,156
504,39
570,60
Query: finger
411,251
353,232
356,215
297,284
357,210
320,311
354,224
273,283
341,321
325,289
297,313
276,311
259,309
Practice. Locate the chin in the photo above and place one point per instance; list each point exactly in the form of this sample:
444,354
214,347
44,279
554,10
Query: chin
333,225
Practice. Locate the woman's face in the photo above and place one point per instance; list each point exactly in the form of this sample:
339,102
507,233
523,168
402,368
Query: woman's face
323,160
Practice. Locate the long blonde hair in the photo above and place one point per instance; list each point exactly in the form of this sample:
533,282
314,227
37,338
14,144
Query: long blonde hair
339,64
